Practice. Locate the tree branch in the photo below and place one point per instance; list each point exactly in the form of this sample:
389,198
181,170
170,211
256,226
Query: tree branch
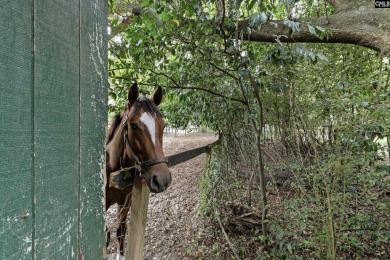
357,22
211,92
227,237
178,86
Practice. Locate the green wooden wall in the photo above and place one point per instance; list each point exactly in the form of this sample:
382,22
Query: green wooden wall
53,84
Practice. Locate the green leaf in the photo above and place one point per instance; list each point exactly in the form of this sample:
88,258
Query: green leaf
289,248
251,4
257,19
112,95
176,22
294,26
311,29
145,3
322,57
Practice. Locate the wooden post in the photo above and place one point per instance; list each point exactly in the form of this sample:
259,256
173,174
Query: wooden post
137,223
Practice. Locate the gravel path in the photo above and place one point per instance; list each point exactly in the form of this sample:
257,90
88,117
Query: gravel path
173,223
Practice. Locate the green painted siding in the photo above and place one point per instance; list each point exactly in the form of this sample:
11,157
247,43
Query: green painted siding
15,130
53,84
56,107
93,116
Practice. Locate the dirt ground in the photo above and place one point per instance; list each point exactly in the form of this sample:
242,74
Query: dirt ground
173,223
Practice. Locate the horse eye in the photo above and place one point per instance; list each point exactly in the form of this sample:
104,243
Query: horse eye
133,126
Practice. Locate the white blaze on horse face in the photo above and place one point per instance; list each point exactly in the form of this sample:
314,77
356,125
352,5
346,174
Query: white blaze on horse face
150,123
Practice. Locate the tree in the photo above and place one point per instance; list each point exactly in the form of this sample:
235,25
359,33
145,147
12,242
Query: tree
321,102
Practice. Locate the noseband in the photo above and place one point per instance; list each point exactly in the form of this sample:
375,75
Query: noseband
139,166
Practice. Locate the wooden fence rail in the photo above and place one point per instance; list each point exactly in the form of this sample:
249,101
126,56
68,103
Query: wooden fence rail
140,198
125,177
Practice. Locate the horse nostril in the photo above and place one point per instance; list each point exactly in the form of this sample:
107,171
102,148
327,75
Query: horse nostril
155,183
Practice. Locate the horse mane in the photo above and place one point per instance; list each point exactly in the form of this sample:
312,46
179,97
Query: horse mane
115,123
142,103
146,105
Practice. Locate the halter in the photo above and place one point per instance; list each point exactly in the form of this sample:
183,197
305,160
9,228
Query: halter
139,166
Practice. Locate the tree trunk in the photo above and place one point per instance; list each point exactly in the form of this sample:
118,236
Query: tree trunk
355,22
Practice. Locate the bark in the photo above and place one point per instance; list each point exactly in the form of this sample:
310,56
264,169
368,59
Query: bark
355,22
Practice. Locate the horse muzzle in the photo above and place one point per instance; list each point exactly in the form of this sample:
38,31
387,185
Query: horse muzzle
158,181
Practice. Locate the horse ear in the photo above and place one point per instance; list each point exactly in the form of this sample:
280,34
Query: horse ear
133,93
157,97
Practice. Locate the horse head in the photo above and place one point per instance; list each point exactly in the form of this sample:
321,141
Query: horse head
143,137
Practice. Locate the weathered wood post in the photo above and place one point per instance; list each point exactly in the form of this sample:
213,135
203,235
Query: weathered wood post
136,225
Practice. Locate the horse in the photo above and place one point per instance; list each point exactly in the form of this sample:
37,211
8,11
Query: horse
135,139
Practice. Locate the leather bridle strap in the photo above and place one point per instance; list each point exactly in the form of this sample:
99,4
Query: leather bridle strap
138,164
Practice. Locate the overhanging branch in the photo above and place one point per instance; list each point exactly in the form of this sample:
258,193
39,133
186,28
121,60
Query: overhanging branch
178,86
370,29
355,22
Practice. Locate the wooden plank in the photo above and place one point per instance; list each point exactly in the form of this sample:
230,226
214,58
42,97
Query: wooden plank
16,163
93,119
122,178
56,125
188,155
137,223
185,156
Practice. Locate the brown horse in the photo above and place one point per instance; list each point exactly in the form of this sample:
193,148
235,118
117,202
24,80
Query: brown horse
135,139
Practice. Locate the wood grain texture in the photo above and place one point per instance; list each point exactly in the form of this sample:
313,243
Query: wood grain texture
93,116
53,91
137,222
16,161
56,123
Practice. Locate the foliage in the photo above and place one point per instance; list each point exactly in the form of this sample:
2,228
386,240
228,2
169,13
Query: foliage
321,111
